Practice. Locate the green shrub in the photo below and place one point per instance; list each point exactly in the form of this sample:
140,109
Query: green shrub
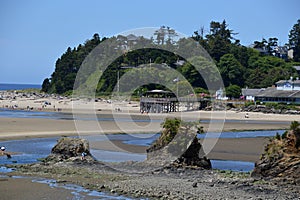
284,135
249,103
281,106
200,90
68,93
277,136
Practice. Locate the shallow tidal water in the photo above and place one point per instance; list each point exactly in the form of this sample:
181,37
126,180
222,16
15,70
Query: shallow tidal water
30,150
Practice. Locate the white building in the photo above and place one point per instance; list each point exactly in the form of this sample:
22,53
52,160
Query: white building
249,94
220,94
288,85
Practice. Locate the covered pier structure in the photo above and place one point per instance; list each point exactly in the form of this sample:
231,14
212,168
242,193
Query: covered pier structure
160,101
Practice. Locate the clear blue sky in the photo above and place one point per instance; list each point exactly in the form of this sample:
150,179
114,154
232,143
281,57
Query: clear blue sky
34,33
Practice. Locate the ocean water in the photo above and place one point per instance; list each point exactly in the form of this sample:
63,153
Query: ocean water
6,86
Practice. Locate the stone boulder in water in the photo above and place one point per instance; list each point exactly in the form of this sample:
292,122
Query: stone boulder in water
69,148
177,147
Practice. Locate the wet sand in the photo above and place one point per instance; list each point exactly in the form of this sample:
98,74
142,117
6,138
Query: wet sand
243,149
36,127
240,149
24,188
108,108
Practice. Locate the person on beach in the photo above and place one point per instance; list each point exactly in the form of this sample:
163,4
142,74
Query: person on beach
3,148
4,153
83,154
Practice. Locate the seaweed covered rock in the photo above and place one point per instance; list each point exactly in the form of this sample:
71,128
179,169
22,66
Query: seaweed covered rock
178,146
70,149
281,158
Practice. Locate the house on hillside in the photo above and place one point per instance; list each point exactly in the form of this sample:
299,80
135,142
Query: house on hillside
288,85
249,94
279,96
291,53
281,52
298,69
220,94
286,91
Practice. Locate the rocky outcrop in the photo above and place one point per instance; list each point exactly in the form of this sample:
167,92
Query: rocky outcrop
180,150
191,157
268,109
70,149
280,160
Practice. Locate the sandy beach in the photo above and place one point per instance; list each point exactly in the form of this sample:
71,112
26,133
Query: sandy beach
241,149
244,149
24,188
89,117
35,127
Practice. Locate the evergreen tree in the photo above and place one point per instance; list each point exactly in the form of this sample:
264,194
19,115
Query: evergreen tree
67,66
231,70
233,91
238,65
46,85
219,39
294,41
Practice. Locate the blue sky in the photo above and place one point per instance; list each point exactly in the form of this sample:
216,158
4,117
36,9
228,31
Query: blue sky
34,33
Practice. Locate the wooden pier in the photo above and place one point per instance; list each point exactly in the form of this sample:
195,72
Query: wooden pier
159,101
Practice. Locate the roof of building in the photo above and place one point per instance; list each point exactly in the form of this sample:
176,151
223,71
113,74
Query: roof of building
158,91
251,92
297,68
297,82
132,37
288,81
284,81
179,62
273,92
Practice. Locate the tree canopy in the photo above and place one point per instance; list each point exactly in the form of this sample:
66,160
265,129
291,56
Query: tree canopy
294,41
239,66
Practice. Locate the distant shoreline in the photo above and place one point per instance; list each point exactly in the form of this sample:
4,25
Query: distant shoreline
16,86
13,127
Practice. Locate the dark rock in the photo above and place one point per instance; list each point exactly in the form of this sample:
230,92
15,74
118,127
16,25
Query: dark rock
102,187
265,109
61,181
72,149
194,184
183,151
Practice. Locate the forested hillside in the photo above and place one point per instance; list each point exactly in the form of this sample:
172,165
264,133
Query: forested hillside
258,66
